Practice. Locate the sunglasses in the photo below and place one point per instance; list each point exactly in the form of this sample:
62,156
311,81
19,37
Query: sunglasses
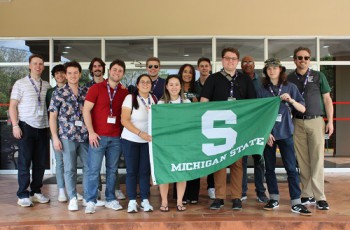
151,66
306,58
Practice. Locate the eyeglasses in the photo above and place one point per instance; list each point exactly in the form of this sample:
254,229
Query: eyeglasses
151,66
231,58
247,63
306,58
145,82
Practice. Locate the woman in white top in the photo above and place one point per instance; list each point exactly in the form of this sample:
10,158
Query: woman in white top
135,140
173,93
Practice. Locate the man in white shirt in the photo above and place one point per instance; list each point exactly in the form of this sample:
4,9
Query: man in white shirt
29,122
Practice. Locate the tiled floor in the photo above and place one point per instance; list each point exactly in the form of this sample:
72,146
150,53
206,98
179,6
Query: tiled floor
56,216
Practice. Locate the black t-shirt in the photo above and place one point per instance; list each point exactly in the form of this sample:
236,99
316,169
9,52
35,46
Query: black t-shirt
217,87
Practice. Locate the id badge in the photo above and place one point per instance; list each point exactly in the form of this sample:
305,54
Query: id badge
40,112
231,98
279,118
78,123
111,120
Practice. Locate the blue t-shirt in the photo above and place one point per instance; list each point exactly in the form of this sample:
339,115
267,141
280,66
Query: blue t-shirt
283,127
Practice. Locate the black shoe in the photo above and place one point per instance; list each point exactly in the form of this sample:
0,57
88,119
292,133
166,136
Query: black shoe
217,204
271,205
262,198
301,209
236,204
308,200
322,205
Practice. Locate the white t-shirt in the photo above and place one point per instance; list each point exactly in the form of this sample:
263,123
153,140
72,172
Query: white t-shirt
177,101
139,118
24,92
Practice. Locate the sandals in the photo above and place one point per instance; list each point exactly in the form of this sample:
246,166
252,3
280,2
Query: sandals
180,208
164,208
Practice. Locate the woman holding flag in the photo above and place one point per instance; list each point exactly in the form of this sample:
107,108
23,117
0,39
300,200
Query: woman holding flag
173,93
275,84
135,140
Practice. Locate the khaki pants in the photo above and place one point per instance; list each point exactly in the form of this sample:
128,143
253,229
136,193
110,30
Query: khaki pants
236,175
309,147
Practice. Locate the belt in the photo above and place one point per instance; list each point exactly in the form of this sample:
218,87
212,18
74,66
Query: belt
307,117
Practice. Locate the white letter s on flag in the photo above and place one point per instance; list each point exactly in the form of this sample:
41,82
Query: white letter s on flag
210,132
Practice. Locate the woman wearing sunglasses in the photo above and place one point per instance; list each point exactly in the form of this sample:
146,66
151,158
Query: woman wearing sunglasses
173,94
135,140
275,84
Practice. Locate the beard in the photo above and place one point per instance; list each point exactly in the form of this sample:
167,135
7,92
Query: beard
97,73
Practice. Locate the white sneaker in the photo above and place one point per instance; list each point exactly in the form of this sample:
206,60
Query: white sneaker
80,197
119,194
25,202
61,195
132,206
114,204
90,208
99,203
146,206
39,198
211,193
73,204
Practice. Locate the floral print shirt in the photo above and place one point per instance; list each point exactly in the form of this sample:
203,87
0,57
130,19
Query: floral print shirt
71,124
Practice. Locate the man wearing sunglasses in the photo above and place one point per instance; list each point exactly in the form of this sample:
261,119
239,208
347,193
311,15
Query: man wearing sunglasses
309,133
248,67
153,66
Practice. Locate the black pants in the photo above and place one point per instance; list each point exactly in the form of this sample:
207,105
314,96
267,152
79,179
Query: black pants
33,150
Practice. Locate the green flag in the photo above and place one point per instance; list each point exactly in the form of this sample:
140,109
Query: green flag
192,140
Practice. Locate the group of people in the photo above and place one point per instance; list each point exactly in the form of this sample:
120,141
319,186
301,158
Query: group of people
102,119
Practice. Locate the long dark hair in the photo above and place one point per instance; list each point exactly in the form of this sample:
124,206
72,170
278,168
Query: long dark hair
135,103
282,79
193,80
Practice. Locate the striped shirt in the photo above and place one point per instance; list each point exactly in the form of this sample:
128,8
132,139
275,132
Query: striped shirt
28,107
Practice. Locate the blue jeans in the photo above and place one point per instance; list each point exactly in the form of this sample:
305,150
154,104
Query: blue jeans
259,171
110,148
70,152
33,149
59,168
137,168
286,147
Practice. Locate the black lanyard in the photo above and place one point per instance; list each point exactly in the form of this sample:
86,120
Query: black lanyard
231,79
306,80
154,83
38,92
279,90
111,97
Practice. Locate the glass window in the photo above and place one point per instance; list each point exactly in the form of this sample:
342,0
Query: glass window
129,50
183,49
78,50
335,49
251,47
284,48
8,144
20,50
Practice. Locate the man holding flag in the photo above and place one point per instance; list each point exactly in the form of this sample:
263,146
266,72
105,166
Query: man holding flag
228,85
